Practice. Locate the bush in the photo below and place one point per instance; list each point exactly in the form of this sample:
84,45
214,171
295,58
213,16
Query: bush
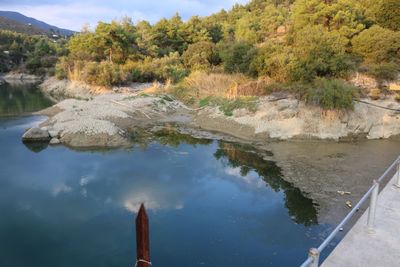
376,45
166,68
200,56
272,60
319,53
237,57
62,69
384,71
388,14
104,73
331,94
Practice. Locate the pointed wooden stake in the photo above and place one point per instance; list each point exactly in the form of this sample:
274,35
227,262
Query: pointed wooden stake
142,238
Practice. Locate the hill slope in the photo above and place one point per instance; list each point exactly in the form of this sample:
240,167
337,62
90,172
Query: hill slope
34,22
15,26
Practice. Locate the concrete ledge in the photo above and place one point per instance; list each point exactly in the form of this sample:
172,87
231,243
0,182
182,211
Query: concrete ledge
381,248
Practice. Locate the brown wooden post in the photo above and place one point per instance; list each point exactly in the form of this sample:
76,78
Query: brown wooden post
142,238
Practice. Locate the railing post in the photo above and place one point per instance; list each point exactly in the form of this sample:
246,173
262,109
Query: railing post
372,206
398,174
314,254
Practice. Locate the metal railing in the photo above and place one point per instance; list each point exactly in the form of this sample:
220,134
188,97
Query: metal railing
373,191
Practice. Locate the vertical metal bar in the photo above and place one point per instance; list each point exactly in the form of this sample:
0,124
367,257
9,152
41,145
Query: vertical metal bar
398,175
372,206
314,254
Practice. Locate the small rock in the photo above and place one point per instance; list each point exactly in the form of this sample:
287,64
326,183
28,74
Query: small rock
348,203
54,133
36,135
55,141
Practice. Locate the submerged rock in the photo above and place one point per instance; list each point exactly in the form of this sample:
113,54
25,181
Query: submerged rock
55,141
36,135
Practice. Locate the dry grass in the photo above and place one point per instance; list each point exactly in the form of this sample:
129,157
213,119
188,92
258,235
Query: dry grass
219,85
374,94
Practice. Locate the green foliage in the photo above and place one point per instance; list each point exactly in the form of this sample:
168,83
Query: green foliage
34,54
228,106
273,60
377,44
103,73
201,56
388,14
331,94
110,41
237,57
249,103
319,53
293,43
345,16
166,68
384,71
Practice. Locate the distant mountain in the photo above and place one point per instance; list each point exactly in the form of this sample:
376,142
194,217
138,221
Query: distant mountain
18,17
15,26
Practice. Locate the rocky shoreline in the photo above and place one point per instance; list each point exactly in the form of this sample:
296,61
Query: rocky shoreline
92,116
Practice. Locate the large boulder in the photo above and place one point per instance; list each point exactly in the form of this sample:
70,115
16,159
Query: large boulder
36,135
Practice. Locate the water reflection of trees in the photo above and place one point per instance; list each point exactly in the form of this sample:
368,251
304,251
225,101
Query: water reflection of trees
300,208
168,136
21,99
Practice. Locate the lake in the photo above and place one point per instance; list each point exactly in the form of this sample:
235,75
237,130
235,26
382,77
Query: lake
210,203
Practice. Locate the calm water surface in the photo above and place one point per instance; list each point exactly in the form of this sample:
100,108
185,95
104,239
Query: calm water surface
209,203
21,99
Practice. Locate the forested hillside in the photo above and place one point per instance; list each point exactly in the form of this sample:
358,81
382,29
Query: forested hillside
29,53
295,45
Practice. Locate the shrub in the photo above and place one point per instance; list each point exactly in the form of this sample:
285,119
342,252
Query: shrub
237,57
388,14
319,53
62,69
384,71
331,94
377,45
273,60
166,68
200,56
104,73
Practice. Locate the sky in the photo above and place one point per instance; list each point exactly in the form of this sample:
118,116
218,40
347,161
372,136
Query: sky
73,14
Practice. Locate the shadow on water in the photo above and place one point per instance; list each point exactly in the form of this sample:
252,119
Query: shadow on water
36,147
21,99
301,208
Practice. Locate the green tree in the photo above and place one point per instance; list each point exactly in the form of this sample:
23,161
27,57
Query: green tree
346,16
388,14
237,57
377,45
200,56
319,53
